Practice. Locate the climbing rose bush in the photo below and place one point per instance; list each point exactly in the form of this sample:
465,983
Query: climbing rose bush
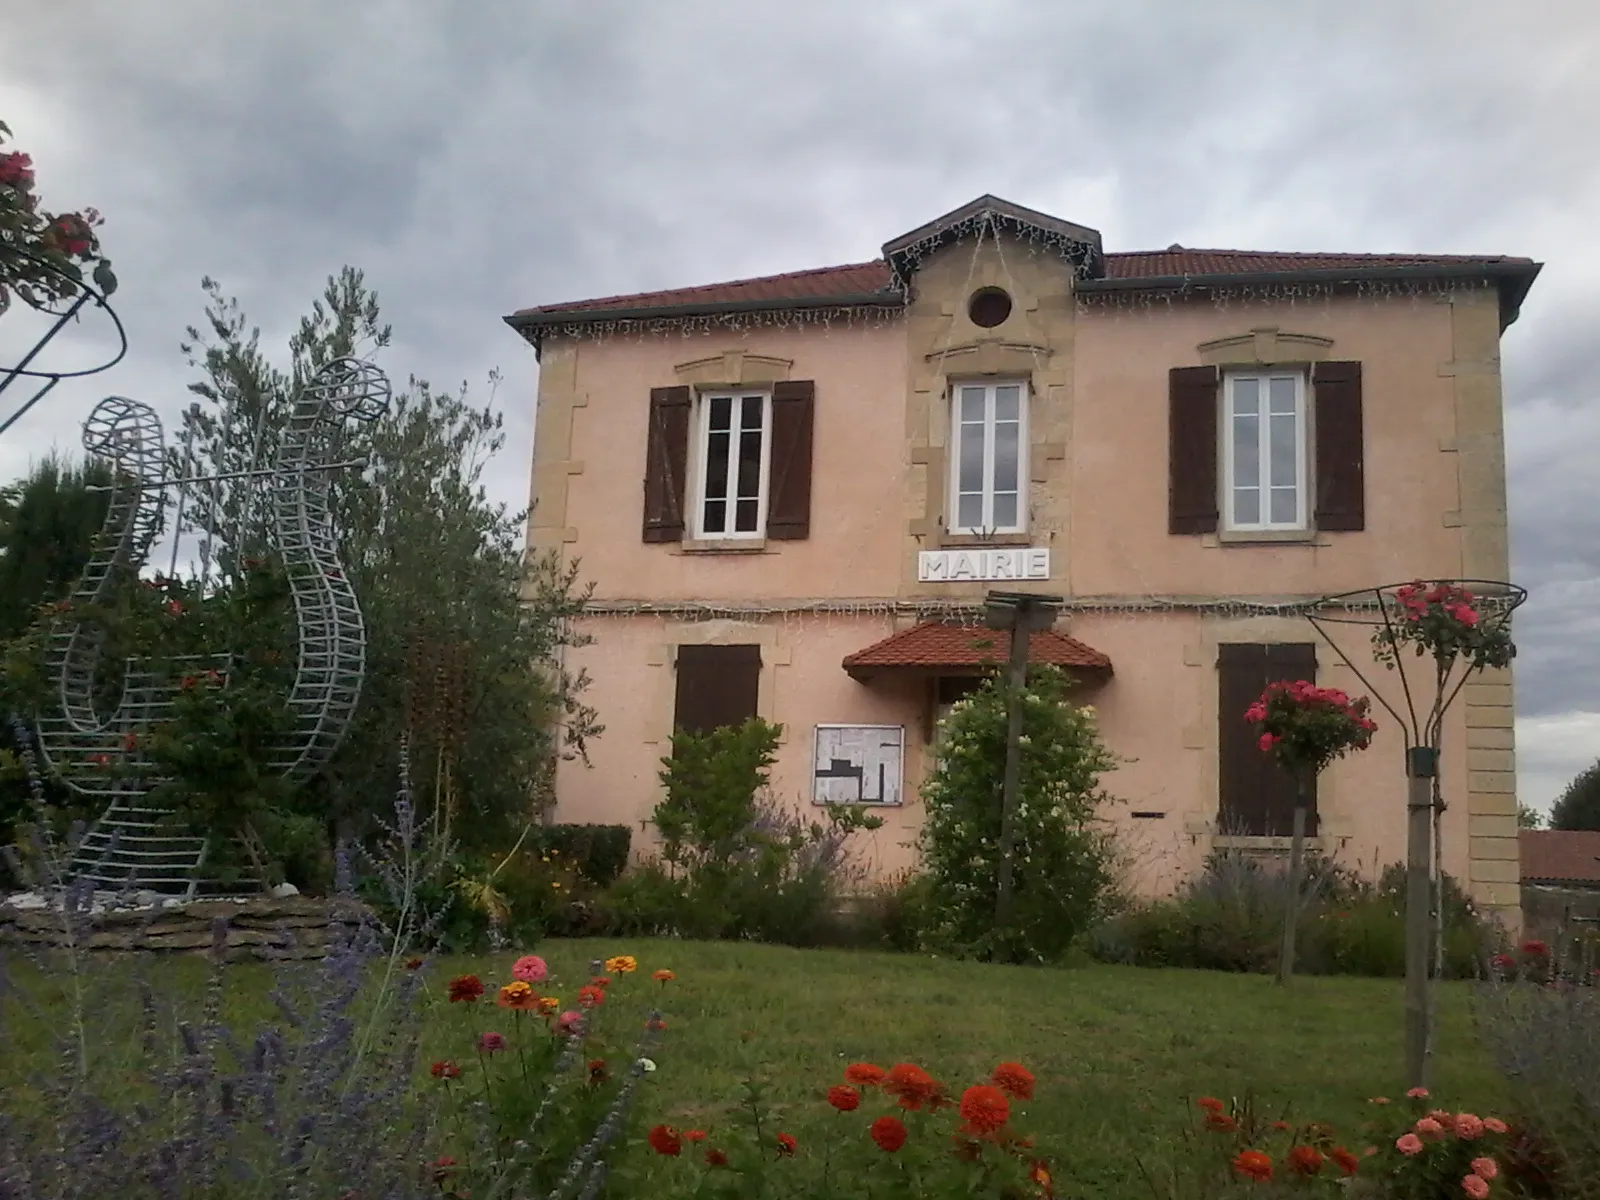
42,254
1062,866
1447,622
1304,727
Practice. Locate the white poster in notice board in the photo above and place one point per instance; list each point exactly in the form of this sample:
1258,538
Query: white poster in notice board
858,764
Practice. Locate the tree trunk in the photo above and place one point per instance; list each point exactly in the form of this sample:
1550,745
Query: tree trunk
1016,681
1421,766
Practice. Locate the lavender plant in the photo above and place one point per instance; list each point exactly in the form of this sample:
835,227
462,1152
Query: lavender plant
140,1093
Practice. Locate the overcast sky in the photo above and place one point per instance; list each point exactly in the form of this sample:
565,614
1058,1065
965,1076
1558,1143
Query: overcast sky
477,158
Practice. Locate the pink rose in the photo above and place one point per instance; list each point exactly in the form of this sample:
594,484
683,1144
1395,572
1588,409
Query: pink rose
1475,1186
1430,1129
1256,712
1494,1124
1267,742
1485,1168
530,968
1469,1128
1409,1143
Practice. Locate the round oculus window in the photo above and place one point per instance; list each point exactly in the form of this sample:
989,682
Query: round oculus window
988,307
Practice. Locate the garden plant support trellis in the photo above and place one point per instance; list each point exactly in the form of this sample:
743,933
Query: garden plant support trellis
1404,625
131,845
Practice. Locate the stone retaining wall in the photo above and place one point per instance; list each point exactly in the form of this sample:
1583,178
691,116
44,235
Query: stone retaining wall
257,928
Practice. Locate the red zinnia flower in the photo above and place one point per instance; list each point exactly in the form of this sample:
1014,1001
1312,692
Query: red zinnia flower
786,1145
888,1133
844,1097
911,1084
1210,1104
1253,1164
445,1069
1344,1160
597,1071
442,1166
413,964
984,1108
1220,1123
716,1158
465,989
1014,1080
864,1074
695,1135
1305,1160
1535,947
590,996
664,1139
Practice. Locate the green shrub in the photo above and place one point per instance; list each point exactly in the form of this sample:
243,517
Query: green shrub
600,851
1063,877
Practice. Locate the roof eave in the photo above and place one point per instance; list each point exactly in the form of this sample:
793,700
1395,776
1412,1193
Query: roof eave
1514,279
866,673
528,324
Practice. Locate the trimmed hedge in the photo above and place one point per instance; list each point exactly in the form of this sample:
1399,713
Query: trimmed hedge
600,851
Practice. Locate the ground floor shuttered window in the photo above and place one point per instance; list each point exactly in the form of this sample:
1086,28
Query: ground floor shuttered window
716,686
1256,797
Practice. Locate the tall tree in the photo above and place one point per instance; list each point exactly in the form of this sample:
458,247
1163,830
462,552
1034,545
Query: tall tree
1579,806
47,526
464,635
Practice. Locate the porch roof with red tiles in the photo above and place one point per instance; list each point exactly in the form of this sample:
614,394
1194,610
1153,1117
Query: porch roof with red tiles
1560,856
936,646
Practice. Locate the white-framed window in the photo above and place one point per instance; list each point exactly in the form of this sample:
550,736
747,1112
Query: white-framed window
733,455
989,457
1264,439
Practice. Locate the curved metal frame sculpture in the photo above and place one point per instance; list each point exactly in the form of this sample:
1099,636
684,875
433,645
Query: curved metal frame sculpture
130,844
86,293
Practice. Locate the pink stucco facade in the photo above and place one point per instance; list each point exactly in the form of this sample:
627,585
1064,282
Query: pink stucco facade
1097,478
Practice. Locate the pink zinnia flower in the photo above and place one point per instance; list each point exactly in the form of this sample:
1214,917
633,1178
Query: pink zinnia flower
1485,1168
490,1042
1494,1124
1418,1093
1469,1127
1430,1129
1475,1186
1409,1143
568,1021
530,968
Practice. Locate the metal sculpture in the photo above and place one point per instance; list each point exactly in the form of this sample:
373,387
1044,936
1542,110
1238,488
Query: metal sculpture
132,843
1419,713
24,369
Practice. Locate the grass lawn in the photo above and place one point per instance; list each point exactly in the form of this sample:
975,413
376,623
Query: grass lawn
1116,1050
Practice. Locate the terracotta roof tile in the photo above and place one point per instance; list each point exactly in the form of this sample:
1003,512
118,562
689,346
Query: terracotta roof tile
859,279
939,644
1560,855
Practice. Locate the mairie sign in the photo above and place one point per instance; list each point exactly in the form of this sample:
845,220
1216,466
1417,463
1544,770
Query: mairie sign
976,565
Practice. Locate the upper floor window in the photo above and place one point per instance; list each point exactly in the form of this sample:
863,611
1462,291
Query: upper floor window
1264,450
988,458
732,464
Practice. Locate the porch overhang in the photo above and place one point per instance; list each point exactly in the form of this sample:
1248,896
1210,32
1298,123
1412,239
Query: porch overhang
936,648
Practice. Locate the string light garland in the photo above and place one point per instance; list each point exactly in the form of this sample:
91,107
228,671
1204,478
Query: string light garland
1233,608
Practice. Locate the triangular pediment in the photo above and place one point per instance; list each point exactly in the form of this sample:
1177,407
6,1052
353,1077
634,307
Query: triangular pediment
1076,244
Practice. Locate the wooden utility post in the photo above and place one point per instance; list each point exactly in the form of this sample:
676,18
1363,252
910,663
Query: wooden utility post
1422,764
1021,613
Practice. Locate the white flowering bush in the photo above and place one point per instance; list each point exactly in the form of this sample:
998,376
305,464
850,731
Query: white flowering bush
1063,853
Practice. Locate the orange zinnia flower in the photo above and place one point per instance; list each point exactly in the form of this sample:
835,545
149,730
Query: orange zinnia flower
662,976
844,1098
864,1074
786,1145
1220,1123
1305,1160
911,1084
590,996
1344,1160
549,1006
1253,1164
1014,1080
1210,1104
695,1135
984,1108
519,996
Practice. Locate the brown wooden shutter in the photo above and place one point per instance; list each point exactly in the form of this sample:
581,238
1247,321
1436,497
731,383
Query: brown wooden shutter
1256,797
666,464
1192,450
793,416
1341,483
717,685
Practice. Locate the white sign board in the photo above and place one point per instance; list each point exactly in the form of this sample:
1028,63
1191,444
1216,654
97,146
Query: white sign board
971,566
858,764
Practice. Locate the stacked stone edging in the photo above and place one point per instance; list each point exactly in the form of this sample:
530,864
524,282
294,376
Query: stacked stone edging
258,927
